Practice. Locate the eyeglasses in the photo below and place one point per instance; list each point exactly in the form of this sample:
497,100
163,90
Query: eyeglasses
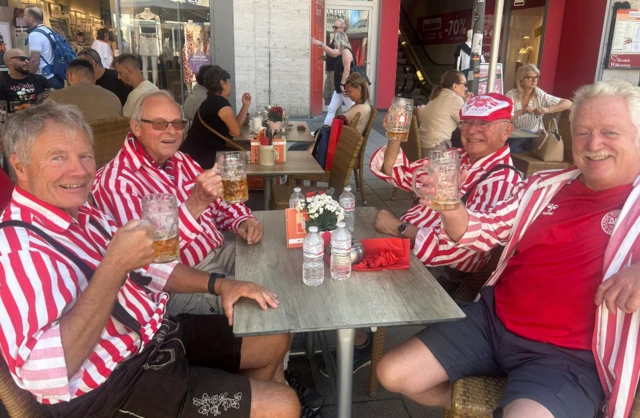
464,84
533,78
91,53
21,58
161,124
337,27
481,126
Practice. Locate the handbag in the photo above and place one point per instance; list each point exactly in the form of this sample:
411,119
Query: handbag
551,148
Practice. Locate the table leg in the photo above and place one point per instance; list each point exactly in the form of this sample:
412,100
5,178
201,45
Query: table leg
345,371
309,346
266,189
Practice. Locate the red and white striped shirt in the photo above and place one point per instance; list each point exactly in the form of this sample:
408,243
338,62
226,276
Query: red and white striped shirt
39,285
122,183
494,189
615,338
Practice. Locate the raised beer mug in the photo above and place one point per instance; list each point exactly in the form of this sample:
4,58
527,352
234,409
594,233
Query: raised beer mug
398,120
444,169
161,210
231,167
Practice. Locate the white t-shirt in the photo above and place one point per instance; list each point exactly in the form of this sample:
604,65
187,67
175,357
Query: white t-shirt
104,50
134,96
39,42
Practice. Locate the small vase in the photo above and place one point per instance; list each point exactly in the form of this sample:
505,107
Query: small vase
275,126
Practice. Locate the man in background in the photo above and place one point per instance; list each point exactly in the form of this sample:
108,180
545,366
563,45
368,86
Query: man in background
40,48
129,72
21,88
106,77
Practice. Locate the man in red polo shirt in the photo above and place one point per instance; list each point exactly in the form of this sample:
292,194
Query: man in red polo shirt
571,242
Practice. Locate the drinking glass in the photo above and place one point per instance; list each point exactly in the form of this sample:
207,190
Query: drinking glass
231,168
399,119
161,210
444,169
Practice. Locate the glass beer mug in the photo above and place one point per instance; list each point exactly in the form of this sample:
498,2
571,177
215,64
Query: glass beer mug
161,210
444,169
399,119
231,167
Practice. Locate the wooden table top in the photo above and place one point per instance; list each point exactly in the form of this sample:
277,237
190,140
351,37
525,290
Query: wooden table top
382,298
292,134
298,162
521,133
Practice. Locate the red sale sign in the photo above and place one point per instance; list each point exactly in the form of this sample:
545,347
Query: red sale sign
451,28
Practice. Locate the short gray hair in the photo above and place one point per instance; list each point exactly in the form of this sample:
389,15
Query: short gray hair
137,110
35,12
615,88
21,129
341,39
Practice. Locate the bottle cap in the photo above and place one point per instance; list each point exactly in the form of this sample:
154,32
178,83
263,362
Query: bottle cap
313,229
347,188
340,224
297,189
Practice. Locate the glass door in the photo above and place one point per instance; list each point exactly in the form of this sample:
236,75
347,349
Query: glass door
361,23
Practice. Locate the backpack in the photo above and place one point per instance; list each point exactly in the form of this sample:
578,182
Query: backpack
62,54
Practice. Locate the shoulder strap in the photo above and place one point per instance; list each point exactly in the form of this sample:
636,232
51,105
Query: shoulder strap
486,176
228,141
53,44
118,311
464,47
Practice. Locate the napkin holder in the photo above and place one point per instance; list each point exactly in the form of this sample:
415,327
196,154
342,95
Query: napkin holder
296,223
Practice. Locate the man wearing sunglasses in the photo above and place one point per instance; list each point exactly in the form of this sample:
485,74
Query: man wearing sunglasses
21,88
149,162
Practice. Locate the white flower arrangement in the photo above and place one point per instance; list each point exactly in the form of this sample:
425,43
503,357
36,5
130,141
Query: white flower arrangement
324,211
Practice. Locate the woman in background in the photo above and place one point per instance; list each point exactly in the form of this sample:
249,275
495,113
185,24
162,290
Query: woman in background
358,91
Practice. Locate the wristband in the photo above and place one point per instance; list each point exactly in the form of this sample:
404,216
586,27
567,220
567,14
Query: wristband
211,286
321,44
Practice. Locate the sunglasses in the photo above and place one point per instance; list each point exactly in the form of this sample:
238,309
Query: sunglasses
336,27
161,124
91,53
21,58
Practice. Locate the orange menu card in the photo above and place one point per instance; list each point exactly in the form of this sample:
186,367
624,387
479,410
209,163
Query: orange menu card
296,227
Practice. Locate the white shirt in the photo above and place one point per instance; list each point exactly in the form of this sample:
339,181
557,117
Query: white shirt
530,121
134,96
104,50
193,102
39,42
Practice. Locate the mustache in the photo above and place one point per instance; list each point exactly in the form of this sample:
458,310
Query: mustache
602,154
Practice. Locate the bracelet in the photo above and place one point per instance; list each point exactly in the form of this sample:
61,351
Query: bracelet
211,286
321,44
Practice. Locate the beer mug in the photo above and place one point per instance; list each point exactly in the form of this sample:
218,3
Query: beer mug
231,167
267,155
399,119
256,124
444,169
161,210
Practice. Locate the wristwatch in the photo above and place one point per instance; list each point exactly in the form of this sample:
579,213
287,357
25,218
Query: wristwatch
321,44
213,277
402,229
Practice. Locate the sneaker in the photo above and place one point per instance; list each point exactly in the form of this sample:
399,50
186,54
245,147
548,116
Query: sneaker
361,358
309,398
307,412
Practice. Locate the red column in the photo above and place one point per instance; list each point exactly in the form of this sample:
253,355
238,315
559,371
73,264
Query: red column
387,53
551,46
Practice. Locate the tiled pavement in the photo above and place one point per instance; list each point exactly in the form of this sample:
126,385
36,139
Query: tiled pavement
385,405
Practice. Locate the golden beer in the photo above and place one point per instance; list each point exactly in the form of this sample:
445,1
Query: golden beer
445,204
398,135
165,249
235,190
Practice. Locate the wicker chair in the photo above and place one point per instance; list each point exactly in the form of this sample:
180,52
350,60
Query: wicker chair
344,162
108,137
529,164
18,403
411,148
358,171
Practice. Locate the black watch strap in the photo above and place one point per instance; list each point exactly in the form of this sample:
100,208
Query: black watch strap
213,277
402,229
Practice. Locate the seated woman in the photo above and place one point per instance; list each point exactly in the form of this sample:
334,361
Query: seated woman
358,90
201,143
440,117
530,103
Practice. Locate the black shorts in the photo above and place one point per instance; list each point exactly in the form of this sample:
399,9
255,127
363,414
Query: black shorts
188,371
565,381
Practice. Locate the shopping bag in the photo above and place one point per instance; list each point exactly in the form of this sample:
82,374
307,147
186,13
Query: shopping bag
336,130
551,148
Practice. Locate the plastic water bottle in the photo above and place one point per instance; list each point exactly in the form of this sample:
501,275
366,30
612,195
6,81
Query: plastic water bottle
341,253
313,264
295,198
348,202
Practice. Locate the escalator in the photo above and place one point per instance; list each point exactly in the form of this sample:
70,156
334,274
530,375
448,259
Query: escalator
416,72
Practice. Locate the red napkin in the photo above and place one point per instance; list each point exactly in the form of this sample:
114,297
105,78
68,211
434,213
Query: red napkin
379,249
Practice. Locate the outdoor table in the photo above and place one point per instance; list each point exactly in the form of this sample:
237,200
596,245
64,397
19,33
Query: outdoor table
298,162
292,134
521,133
367,299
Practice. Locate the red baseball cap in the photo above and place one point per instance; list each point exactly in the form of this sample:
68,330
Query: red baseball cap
489,107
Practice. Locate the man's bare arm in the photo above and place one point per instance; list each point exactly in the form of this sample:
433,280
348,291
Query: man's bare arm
34,62
390,155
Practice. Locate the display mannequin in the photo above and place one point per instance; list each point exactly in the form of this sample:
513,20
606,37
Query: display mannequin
524,55
194,42
462,56
148,35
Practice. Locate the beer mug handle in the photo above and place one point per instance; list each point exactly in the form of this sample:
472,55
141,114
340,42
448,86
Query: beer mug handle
276,154
417,174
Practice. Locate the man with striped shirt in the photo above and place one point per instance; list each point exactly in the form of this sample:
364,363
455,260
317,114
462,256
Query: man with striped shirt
82,312
559,316
484,134
149,162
